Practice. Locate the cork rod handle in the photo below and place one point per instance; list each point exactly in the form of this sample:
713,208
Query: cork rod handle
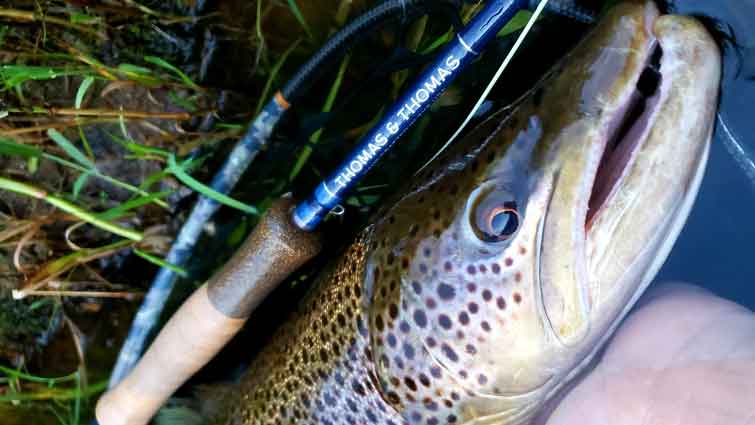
188,341
210,317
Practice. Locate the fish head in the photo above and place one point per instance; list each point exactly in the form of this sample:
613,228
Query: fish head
496,278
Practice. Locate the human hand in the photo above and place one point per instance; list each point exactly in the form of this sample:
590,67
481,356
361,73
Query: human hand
684,356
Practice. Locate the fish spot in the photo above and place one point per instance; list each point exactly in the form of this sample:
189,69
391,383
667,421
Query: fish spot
518,276
473,307
420,318
409,382
471,287
470,349
393,311
446,292
329,399
482,268
464,318
404,327
430,341
379,323
517,298
436,373
399,362
430,303
495,268
463,374
424,380
471,269
391,338
358,388
509,261
408,351
487,295
448,267
485,326
522,250
501,303
449,352
430,404
416,287
444,321
392,397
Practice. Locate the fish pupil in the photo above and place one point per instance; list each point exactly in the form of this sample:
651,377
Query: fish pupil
503,222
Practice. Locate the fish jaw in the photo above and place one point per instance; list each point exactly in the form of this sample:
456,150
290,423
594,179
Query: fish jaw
651,200
644,188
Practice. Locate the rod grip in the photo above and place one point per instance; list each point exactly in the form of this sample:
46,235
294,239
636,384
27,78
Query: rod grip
210,317
188,341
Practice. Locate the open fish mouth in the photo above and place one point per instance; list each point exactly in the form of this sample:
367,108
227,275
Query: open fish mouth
627,131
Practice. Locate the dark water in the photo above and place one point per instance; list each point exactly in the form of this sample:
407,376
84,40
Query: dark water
716,249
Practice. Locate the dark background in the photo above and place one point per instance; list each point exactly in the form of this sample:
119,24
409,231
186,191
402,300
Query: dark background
715,249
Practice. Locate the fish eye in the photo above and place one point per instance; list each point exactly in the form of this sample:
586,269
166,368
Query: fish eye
495,217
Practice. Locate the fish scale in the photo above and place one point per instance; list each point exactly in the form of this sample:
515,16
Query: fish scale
431,318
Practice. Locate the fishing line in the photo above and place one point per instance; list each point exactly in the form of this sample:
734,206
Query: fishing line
737,149
493,81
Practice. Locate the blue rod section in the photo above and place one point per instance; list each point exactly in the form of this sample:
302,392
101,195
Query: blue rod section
149,312
411,105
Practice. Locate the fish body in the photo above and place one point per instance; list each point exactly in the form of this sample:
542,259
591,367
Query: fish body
495,278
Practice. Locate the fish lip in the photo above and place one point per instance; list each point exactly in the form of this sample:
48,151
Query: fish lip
627,134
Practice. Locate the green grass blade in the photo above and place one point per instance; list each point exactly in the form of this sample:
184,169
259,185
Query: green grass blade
80,213
299,17
207,191
161,263
12,76
164,64
9,147
82,91
124,208
516,23
79,183
70,149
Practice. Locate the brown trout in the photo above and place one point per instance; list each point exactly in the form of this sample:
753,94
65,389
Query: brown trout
498,275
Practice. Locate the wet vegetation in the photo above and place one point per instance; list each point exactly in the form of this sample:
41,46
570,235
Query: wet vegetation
113,114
